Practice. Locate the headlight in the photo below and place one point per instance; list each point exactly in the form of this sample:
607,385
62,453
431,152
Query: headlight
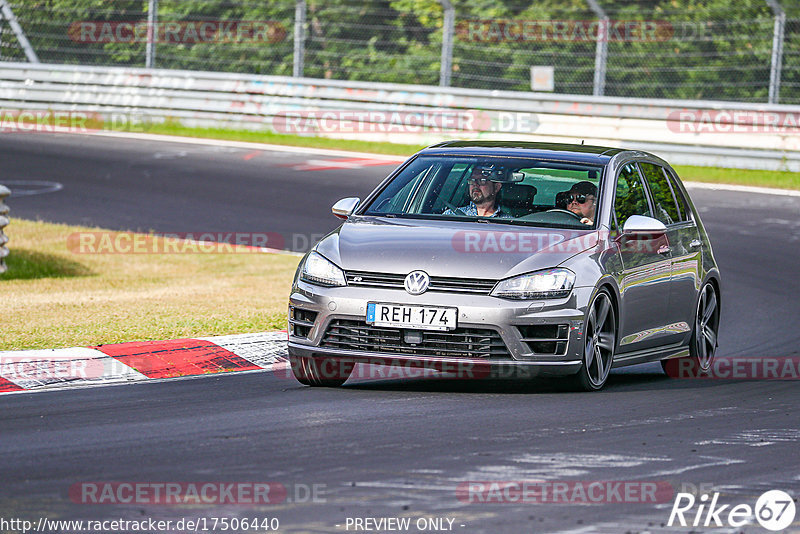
550,284
318,270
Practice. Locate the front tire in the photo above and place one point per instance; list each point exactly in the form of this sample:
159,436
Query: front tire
703,345
321,372
600,341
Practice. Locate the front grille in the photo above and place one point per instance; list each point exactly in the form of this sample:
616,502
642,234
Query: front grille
458,343
301,321
438,283
546,338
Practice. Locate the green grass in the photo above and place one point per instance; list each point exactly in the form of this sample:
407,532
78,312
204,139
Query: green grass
285,139
776,179
717,175
57,295
25,264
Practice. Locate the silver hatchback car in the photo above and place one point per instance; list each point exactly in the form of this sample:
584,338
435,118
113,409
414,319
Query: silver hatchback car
480,258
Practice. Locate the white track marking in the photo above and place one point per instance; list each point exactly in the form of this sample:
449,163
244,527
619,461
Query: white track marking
34,369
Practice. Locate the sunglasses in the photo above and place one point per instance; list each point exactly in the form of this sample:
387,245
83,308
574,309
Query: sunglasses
580,199
478,181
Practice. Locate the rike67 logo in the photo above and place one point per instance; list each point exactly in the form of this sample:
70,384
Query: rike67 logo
774,510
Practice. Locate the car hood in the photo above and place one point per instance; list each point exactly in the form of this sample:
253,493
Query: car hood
448,248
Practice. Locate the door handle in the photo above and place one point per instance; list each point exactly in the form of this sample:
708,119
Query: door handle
696,243
664,249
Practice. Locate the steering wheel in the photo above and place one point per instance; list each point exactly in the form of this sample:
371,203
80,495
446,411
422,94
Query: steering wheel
559,210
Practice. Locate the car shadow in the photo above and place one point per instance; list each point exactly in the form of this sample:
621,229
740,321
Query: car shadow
649,378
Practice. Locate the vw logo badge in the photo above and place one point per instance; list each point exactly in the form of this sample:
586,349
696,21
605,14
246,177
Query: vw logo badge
416,283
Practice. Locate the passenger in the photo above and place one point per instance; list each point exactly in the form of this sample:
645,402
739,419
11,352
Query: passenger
483,195
562,199
582,201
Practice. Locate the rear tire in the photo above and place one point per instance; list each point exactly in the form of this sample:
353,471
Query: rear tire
703,345
321,372
600,341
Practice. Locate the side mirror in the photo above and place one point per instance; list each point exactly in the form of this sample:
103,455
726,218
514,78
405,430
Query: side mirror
644,227
344,207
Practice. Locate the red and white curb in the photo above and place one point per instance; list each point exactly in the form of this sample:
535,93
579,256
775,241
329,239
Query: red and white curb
29,370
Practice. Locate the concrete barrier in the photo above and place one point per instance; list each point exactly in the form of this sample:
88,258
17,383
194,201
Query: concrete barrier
728,134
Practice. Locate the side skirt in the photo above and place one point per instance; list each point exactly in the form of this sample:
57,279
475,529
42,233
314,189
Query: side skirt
676,350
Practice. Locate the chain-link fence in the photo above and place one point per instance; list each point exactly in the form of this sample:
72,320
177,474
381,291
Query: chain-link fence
748,50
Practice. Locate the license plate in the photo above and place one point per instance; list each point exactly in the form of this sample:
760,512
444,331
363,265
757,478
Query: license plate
416,317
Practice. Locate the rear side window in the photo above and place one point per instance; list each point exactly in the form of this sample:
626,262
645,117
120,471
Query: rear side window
630,197
683,204
666,210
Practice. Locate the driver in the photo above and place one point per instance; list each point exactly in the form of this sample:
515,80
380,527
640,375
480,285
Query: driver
483,195
582,201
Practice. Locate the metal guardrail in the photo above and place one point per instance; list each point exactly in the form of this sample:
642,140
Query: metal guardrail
4,192
256,102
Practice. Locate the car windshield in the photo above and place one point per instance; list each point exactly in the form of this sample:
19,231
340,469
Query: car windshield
497,189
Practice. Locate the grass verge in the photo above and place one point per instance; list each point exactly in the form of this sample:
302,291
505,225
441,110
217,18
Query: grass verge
354,145
717,175
53,297
776,179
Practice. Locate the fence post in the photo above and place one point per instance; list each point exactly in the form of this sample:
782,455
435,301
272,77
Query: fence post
777,51
299,38
4,192
601,50
6,13
448,28
152,34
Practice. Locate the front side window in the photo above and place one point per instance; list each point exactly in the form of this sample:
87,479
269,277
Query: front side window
630,195
666,210
501,189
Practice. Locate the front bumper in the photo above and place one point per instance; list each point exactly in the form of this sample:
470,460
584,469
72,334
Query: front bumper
510,319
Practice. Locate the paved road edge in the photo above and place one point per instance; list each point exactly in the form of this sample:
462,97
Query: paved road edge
388,158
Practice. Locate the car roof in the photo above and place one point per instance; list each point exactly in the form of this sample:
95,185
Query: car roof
598,155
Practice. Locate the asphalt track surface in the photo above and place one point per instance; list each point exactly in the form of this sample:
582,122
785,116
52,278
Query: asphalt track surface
393,448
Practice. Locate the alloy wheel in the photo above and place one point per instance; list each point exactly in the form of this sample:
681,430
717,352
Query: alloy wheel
705,327
600,341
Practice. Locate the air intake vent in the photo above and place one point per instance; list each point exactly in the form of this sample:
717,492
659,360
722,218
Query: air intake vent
546,338
301,321
458,343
